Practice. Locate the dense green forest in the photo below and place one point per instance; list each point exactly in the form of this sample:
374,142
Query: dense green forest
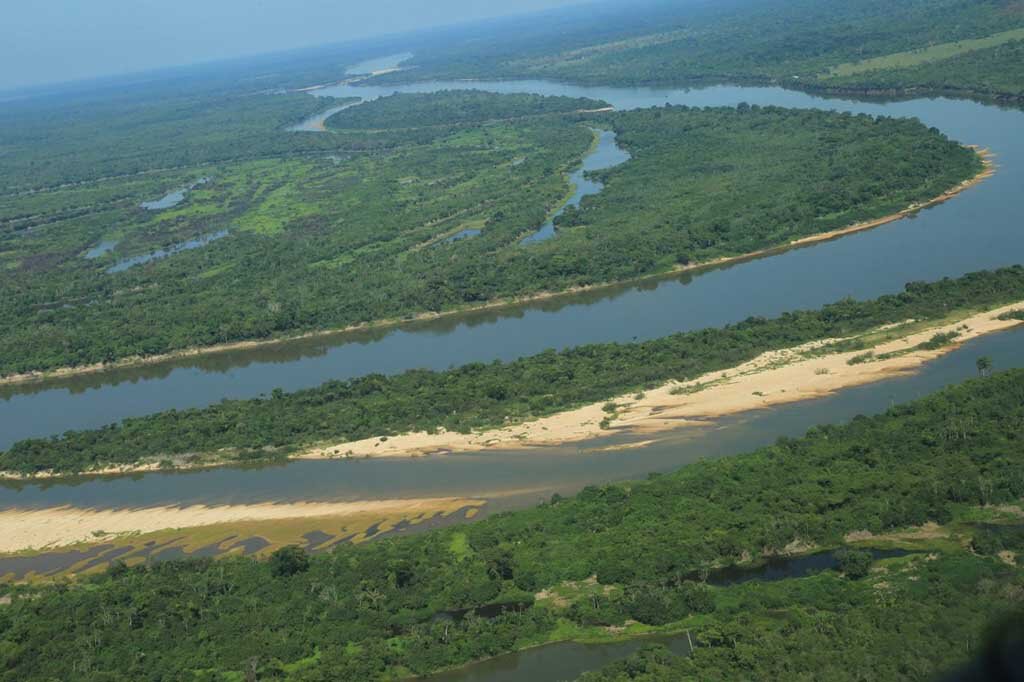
368,612
452,107
791,42
488,395
354,225
357,232
992,72
67,144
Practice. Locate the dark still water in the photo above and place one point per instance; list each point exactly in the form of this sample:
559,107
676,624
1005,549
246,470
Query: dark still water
565,661
978,230
510,479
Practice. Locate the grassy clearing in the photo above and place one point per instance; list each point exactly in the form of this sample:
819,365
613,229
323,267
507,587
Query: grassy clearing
901,60
460,545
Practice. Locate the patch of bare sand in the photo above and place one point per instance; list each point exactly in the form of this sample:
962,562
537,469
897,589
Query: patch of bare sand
929,531
25,529
774,378
1011,509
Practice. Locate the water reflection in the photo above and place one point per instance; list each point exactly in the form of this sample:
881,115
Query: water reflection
864,265
102,248
559,662
378,64
509,479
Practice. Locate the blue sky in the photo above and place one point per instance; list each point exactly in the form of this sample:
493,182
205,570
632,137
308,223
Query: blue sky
63,40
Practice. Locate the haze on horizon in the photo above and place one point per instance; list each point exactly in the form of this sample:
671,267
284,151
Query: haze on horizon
69,40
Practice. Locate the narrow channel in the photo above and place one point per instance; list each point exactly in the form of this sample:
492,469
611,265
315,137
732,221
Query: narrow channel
606,154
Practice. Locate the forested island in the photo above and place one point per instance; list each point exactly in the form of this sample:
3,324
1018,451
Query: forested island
452,108
479,396
314,241
152,217
613,561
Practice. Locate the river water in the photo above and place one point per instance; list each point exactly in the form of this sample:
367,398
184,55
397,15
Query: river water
980,229
509,479
607,154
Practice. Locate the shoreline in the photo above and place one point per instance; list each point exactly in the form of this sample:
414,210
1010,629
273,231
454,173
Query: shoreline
988,171
772,379
35,530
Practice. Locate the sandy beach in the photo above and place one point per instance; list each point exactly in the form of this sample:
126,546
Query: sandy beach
25,529
774,378
26,377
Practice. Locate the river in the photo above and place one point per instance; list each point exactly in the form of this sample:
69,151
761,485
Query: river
606,154
978,230
508,478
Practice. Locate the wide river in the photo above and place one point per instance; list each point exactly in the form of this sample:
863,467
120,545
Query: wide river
983,228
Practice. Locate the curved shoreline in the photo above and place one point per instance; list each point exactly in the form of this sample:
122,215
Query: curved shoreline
140,361
772,379
59,527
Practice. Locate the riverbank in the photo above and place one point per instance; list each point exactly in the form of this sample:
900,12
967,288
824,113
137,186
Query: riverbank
815,369
772,379
907,93
39,529
67,372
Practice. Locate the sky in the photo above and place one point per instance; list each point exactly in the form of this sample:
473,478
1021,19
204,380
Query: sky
66,40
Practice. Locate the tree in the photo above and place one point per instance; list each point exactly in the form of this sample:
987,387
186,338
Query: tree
288,561
984,364
854,563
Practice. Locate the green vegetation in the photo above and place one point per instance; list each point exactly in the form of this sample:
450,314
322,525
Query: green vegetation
910,623
371,612
45,149
328,231
924,55
452,107
352,227
792,42
994,72
355,232
701,186
479,396
854,563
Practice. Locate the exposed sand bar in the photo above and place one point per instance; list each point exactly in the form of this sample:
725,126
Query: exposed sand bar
135,361
25,529
774,378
